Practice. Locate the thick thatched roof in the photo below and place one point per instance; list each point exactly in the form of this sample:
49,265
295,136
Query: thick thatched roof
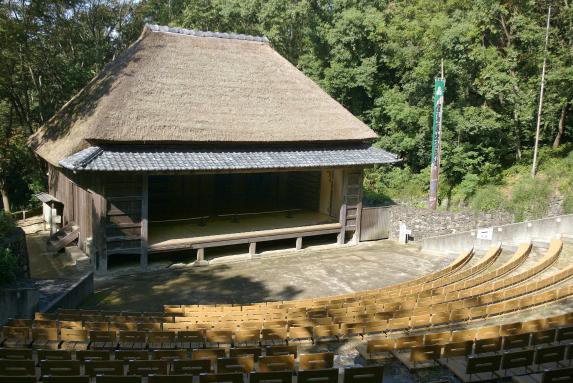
182,86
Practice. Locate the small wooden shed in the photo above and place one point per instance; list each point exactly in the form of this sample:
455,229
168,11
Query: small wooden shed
191,140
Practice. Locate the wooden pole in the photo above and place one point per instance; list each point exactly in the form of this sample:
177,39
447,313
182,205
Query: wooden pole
538,127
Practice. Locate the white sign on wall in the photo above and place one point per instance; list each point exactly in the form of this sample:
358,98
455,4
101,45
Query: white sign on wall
486,233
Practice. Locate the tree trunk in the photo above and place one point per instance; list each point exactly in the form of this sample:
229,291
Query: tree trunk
5,199
517,135
561,127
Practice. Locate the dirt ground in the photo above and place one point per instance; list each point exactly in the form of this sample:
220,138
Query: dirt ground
308,273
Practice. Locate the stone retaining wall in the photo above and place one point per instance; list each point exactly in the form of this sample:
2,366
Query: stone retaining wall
18,303
72,297
428,223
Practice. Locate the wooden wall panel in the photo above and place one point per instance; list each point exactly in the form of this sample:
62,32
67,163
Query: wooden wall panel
74,194
122,221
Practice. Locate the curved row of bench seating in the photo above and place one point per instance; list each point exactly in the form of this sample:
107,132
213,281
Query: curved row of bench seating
530,346
213,365
58,336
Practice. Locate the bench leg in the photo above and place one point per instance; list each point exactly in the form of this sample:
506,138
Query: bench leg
200,258
252,248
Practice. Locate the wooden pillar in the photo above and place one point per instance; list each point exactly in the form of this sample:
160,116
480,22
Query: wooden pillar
252,248
144,221
201,258
99,218
356,237
342,234
299,243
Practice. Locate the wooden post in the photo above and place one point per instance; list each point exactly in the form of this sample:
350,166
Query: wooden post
200,257
99,206
299,243
144,221
356,238
252,248
342,234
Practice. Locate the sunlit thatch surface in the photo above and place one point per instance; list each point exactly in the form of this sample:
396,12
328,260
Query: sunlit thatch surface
176,87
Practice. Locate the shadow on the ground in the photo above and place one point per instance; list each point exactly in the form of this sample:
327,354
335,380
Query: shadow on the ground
150,291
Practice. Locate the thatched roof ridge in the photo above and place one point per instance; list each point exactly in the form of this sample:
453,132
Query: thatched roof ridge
182,86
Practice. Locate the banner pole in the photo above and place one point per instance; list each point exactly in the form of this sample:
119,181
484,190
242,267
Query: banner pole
439,90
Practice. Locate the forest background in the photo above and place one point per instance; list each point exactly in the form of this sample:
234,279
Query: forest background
378,58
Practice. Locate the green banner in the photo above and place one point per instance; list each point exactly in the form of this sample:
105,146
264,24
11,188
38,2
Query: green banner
439,90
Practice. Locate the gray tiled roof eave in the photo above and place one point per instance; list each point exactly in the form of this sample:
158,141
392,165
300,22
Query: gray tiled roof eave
142,159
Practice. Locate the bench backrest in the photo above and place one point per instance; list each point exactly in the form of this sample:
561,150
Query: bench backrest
83,355
103,367
191,367
54,355
221,378
65,379
60,367
316,361
282,350
242,351
481,364
551,354
170,354
243,364
147,367
17,367
558,376
271,377
329,375
16,353
276,363
372,374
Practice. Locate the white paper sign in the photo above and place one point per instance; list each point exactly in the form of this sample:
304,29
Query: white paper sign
485,233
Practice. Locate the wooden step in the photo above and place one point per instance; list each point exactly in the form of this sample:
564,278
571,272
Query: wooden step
132,250
63,238
122,225
119,238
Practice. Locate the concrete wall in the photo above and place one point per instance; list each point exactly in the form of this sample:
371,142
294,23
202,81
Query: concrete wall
547,228
18,303
73,297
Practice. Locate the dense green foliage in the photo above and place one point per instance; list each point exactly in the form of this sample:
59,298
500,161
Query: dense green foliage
377,57
8,262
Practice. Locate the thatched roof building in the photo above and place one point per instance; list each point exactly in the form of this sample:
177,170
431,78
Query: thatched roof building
187,128
179,86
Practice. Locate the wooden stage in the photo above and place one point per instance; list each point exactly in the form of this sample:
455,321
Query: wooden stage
200,233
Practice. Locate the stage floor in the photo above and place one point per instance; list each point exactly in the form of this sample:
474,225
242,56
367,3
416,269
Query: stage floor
183,233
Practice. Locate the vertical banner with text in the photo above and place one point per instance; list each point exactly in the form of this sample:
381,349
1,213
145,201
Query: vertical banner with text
439,89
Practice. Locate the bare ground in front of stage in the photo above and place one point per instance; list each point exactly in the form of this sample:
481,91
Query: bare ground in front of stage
307,273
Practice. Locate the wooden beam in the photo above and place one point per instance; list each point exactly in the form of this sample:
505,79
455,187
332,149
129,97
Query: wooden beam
144,220
207,244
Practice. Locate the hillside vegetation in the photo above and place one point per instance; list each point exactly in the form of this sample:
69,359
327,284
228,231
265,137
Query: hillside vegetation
512,190
378,58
